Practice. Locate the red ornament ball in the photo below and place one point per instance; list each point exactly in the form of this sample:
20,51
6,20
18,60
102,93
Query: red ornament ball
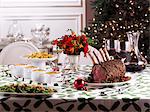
55,68
79,84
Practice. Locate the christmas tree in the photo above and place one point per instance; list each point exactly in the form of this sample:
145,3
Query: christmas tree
114,18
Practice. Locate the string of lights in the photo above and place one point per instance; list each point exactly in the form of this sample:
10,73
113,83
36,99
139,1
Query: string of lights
114,18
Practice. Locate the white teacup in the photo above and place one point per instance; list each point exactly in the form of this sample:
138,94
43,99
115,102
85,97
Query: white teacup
17,70
28,71
37,75
51,77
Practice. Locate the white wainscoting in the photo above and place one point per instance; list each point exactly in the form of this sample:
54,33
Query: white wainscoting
59,15
58,24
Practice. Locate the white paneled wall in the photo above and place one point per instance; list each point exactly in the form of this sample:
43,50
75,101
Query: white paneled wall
35,3
59,15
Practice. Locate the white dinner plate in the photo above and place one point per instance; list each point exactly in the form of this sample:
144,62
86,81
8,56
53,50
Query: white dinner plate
131,81
13,53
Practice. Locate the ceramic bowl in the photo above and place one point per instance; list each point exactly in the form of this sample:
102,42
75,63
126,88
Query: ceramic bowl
28,71
37,75
51,77
18,70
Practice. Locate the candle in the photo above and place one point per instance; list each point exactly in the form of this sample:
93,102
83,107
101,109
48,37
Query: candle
108,44
117,45
127,46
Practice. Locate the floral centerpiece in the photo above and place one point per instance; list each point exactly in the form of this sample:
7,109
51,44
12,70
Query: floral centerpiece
72,44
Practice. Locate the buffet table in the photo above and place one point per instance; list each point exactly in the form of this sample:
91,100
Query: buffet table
130,97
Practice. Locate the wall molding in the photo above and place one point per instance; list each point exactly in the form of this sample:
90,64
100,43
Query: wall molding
41,3
68,13
78,19
58,15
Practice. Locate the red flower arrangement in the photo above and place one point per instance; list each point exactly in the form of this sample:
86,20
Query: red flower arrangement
72,44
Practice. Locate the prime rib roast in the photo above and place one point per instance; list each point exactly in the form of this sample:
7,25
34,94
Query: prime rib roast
108,71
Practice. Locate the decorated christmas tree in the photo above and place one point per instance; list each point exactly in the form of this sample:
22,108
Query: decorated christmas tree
114,18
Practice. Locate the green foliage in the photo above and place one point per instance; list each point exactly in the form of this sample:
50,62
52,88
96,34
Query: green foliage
113,18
